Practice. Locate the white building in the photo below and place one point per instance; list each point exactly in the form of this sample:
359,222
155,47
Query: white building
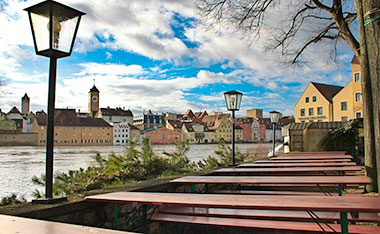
121,133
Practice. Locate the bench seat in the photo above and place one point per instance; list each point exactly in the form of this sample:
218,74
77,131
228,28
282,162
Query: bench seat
279,192
304,227
267,214
13,224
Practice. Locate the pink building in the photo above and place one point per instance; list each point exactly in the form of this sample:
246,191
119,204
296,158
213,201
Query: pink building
161,135
246,125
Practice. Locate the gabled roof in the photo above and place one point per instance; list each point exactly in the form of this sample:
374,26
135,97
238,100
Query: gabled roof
328,91
189,114
175,123
355,60
68,117
14,110
115,112
189,127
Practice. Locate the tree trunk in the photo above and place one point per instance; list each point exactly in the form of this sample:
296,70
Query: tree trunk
371,13
369,136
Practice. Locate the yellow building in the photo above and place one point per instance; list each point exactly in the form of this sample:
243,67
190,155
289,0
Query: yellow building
197,133
316,103
348,103
71,130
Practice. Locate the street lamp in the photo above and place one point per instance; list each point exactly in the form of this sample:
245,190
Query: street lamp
233,100
274,118
54,28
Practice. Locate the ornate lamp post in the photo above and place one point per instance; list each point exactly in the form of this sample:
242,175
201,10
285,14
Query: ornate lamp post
274,118
233,101
54,28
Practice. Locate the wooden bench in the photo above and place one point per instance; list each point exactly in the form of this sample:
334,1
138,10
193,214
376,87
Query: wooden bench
312,157
303,161
317,153
280,192
12,224
342,204
295,170
306,164
320,182
267,214
263,224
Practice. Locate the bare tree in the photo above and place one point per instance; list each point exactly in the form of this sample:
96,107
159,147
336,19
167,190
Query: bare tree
320,22
369,31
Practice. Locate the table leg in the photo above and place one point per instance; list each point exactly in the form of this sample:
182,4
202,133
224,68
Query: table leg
193,188
145,218
115,215
344,222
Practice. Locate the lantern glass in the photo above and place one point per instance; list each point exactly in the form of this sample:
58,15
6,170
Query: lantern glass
233,100
54,28
274,116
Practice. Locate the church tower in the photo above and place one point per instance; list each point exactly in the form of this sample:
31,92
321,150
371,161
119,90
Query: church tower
25,104
93,102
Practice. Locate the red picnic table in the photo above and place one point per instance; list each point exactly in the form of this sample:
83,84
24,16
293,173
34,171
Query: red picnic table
253,180
309,157
289,170
343,204
304,161
19,225
306,164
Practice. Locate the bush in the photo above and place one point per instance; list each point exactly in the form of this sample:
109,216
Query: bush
343,139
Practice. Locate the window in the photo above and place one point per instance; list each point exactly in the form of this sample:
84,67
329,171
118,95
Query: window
311,111
358,96
320,111
357,77
314,98
343,106
344,118
307,99
358,115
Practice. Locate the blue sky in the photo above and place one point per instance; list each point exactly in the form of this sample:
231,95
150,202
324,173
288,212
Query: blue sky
155,55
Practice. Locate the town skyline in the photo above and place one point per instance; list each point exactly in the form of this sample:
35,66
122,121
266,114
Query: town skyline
154,56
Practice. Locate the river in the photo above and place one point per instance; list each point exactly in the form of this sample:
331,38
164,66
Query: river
19,164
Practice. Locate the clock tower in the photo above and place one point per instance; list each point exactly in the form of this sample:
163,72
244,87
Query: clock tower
93,102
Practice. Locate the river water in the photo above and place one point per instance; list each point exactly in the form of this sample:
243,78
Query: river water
19,164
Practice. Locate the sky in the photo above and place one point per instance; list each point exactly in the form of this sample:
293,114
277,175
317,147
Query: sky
155,55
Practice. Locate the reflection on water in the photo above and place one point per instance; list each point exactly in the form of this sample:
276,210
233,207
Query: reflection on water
20,163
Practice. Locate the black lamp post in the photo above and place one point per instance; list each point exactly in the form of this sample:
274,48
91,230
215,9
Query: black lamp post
274,118
54,28
233,101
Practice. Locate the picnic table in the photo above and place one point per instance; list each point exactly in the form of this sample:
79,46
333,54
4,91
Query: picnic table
309,157
288,170
303,161
252,180
13,224
293,203
306,164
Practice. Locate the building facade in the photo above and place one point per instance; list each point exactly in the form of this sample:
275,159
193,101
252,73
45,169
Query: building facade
161,135
348,103
316,103
197,133
149,120
70,130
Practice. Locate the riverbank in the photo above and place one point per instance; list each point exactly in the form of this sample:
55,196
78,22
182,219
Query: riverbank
19,164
